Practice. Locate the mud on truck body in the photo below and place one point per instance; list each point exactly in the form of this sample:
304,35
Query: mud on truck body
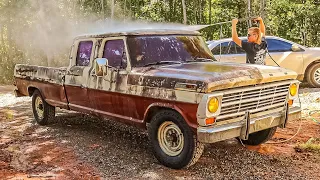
168,82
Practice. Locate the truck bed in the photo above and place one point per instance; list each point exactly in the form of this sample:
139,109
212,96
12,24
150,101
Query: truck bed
48,80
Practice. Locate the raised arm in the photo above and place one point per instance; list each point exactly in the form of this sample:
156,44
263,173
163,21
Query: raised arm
261,26
235,37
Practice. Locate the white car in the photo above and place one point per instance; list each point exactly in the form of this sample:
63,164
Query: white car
303,60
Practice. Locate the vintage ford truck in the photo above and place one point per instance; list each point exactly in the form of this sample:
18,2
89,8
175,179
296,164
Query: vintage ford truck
168,82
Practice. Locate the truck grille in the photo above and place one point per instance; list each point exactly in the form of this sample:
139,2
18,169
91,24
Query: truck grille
255,99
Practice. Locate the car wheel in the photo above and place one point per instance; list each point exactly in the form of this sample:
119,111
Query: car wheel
42,111
173,142
313,75
260,137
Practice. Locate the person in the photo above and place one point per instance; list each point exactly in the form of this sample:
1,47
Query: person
255,47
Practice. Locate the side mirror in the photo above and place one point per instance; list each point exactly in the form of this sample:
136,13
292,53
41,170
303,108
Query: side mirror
101,66
295,48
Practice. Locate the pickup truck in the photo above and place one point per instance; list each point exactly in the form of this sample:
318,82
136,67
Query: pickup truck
168,82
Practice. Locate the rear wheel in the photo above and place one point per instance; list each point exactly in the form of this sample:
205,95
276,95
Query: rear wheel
173,142
313,75
42,111
260,137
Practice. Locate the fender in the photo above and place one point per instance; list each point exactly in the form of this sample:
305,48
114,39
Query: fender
168,106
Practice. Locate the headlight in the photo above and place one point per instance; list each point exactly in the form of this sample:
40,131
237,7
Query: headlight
213,105
293,89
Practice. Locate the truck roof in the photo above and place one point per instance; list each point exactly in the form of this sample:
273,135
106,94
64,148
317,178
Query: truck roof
141,32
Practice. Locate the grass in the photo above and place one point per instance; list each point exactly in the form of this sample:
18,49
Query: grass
312,145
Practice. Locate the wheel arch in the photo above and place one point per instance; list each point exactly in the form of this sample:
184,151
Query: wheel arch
156,107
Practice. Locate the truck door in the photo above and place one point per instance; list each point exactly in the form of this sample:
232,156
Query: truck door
108,94
76,80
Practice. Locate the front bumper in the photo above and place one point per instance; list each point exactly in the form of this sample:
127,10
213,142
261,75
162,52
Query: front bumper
247,126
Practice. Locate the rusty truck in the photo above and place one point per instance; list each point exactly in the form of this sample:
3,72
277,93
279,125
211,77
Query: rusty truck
168,82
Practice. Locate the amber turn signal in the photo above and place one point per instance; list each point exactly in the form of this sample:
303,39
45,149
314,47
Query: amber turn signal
210,121
290,102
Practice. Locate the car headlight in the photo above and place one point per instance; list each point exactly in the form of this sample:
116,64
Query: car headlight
293,89
213,105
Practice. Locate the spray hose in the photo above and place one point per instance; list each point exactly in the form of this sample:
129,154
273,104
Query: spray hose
300,124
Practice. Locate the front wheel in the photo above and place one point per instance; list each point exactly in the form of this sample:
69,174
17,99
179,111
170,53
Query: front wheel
42,111
173,142
260,137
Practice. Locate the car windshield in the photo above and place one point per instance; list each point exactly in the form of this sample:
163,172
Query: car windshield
146,50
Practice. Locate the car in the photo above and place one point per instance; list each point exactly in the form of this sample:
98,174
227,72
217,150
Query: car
165,81
303,60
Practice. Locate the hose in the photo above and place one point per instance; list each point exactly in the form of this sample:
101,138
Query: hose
300,125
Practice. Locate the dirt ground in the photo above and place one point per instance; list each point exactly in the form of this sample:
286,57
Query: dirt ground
77,146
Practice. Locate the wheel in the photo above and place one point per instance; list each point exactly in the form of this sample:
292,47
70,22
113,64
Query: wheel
42,111
313,75
260,137
173,142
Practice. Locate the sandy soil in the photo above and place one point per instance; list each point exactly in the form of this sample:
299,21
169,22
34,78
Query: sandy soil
77,146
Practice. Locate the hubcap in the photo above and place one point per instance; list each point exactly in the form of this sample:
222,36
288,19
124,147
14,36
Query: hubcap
170,138
317,75
39,107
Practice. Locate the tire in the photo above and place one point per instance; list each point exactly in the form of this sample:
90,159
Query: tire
42,111
173,142
260,137
313,75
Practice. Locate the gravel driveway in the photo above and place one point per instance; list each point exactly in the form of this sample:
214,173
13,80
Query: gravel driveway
93,148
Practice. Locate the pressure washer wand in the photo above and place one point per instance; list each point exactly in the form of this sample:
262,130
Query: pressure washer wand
199,27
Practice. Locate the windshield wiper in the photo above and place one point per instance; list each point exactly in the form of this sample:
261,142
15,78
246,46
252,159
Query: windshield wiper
162,62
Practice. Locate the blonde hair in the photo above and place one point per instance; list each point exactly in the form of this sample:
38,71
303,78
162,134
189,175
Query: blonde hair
257,31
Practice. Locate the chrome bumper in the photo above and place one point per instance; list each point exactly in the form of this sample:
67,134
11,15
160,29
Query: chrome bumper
247,126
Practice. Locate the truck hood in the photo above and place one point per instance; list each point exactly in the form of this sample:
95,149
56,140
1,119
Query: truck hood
212,76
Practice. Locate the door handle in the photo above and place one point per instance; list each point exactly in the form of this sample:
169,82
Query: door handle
83,86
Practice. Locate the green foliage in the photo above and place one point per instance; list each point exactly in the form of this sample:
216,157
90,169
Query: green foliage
294,20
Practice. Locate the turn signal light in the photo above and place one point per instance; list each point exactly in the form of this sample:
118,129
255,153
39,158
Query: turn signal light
210,121
290,102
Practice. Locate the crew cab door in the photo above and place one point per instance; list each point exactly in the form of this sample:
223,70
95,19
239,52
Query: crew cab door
76,80
108,92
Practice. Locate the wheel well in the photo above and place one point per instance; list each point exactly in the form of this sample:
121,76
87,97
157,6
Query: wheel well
311,64
31,90
153,110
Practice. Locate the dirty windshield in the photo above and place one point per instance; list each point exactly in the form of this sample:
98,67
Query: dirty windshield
148,50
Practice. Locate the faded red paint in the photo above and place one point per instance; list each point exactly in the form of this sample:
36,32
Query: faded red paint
52,93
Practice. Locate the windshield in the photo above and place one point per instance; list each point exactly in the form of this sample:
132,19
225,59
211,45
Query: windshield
146,50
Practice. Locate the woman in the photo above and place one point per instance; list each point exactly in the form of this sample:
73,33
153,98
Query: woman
256,46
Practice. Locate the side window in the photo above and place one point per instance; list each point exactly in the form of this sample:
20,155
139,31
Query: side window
232,48
239,50
84,53
114,51
224,48
275,45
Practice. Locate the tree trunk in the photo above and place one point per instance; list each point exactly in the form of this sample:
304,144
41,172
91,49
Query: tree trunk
102,9
249,13
112,9
210,11
184,9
